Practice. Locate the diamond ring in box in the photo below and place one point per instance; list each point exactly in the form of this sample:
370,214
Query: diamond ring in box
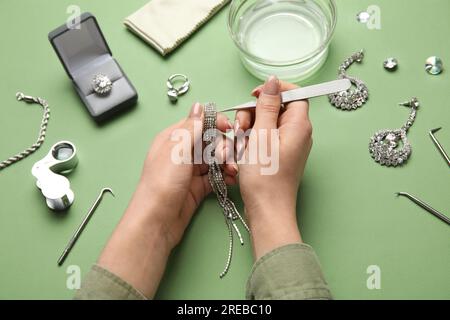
102,84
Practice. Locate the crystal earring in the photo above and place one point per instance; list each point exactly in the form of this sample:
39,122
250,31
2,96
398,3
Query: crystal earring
350,99
383,146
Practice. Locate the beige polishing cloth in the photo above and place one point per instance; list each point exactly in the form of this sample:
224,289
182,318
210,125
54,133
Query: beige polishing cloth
165,24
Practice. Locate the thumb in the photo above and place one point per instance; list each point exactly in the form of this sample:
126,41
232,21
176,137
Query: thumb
196,112
269,104
194,123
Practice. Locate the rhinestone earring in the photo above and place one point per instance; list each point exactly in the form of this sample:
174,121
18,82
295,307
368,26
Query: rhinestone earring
350,99
383,146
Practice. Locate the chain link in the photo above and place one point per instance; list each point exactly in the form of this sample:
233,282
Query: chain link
42,131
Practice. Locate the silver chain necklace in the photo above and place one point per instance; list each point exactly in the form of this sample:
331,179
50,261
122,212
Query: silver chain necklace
43,130
217,182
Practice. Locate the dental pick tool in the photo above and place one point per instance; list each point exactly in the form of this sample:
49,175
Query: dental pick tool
438,145
83,224
425,206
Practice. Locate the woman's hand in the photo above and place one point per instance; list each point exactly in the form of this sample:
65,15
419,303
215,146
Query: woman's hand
176,188
270,200
168,194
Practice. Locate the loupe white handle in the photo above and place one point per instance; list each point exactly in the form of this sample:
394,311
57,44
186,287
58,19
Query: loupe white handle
55,187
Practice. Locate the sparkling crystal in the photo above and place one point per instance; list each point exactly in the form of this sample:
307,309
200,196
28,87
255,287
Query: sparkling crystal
102,84
390,64
391,137
363,17
434,65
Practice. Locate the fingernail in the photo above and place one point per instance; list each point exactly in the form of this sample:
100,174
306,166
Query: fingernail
256,92
235,167
230,125
272,86
236,126
196,111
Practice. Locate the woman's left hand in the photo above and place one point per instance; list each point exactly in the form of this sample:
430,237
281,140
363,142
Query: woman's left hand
167,196
177,187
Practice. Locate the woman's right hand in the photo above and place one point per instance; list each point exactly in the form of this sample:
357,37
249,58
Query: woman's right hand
270,199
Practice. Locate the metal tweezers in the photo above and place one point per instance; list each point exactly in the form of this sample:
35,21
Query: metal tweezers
302,93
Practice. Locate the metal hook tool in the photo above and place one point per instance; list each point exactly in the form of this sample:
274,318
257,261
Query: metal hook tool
438,145
83,224
425,206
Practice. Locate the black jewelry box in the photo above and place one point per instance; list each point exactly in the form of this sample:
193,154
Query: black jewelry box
84,53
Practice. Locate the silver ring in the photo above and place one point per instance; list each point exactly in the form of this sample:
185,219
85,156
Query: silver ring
102,84
173,93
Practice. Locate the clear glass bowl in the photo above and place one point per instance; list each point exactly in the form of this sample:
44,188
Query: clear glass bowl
286,38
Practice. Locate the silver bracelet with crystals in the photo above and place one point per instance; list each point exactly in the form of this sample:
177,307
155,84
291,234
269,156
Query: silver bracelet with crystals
217,182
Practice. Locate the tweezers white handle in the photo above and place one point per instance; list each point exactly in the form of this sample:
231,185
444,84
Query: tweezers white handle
303,93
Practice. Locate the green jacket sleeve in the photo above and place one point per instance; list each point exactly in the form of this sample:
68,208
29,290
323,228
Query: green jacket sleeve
100,284
290,272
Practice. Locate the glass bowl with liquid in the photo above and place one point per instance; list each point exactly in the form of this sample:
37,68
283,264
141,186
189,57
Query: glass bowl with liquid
286,38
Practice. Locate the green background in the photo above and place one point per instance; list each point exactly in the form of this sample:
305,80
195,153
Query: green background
347,208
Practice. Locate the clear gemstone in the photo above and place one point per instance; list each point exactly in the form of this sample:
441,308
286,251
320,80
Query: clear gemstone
102,84
363,17
390,64
391,137
434,65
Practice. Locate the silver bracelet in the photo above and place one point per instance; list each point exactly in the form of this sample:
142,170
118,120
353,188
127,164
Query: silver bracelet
43,130
217,182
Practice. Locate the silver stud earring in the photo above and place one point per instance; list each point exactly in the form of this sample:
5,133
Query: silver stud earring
350,99
384,145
